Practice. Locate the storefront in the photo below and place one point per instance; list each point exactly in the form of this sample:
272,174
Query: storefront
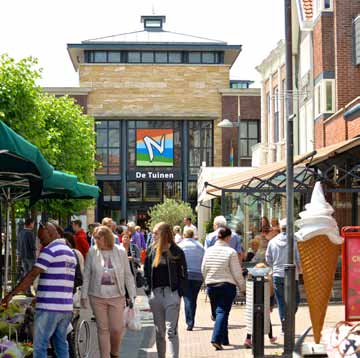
146,161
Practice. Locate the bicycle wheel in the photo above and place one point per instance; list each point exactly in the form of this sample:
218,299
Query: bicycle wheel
82,339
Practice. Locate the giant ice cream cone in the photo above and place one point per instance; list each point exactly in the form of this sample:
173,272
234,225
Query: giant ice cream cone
319,246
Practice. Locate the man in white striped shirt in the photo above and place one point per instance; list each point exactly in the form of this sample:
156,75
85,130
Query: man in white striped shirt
54,304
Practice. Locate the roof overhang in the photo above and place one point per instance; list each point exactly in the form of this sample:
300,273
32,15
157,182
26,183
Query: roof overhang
76,51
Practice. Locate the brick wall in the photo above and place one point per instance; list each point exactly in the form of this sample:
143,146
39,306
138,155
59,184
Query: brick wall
323,40
250,109
319,133
347,74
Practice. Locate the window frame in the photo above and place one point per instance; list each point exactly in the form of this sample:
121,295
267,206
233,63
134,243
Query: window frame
247,138
321,97
319,6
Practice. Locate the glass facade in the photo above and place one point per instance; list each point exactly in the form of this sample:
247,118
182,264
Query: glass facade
133,189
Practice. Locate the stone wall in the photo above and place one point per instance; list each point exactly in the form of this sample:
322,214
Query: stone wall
141,91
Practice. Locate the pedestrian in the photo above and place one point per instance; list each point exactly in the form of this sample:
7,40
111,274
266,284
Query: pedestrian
132,251
80,237
189,225
253,247
235,243
165,273
135,236
259,256
26,249
54,300
177,232
106,275
110,224
277,257
222,273
194,253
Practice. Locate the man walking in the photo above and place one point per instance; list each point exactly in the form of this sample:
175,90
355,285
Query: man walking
276,257
54,301
26,248
80,237
189,225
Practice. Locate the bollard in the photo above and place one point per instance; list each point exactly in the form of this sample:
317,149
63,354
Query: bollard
258,316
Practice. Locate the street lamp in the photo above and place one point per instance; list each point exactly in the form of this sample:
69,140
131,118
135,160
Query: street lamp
226,123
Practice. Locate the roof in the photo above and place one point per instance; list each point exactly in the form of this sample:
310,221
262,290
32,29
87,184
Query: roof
241,179
308,9
152,40
154,37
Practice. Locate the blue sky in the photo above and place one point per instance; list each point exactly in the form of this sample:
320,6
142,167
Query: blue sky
42,28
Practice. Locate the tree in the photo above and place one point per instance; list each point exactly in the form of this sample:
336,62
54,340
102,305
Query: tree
170,211
56,125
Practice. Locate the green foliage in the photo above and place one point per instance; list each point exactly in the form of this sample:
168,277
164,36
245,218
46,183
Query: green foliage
170,211
56,125
216,211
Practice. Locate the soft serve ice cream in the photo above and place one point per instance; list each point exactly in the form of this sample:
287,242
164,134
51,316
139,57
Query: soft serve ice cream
317,219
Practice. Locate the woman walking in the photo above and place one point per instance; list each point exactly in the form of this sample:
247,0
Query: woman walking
166,275
222,273
194,253
106,275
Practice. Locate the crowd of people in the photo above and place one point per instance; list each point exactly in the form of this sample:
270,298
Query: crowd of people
106,264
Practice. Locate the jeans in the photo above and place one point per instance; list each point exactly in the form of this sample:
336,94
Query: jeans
54,325
165,306
190,297
279,288
222,296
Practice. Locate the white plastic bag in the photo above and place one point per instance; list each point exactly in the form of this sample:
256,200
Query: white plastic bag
132,319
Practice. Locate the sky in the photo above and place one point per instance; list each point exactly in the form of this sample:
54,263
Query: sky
43,28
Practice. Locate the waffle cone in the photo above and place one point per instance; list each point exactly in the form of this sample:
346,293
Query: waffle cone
318,257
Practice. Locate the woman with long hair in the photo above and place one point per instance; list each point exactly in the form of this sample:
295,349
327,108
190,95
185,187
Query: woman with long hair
165,273
222,273
106,275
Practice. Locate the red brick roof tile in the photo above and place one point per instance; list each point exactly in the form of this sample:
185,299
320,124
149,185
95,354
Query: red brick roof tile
308,9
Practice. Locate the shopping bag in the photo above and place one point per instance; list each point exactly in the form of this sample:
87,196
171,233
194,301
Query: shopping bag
132,319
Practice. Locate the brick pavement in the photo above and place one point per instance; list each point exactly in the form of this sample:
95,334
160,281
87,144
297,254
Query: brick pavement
196,344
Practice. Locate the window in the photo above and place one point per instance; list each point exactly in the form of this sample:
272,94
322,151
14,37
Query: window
172,190
134,57
324,97
356,40
249,136
153,191
134,191
113,56
321,5
111,191
147,57
194,57
200,145
108,146
276,114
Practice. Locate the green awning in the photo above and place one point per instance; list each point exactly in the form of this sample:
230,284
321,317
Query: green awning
17,146
86,191
60,182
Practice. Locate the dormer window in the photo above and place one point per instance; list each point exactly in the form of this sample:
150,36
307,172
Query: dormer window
153,22
320,6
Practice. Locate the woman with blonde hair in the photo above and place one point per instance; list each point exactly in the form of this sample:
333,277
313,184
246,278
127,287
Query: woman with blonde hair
166,275
106,275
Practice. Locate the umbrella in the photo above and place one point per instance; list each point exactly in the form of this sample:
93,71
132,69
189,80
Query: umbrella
22,171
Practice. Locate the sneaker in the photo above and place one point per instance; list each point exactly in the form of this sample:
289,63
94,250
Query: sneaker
247,343
189,328
273,340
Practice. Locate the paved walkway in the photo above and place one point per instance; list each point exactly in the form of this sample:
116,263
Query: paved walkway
196,344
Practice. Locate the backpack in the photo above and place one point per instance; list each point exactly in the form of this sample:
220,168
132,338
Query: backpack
78,280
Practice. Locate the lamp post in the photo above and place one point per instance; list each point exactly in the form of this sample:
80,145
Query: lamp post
226,123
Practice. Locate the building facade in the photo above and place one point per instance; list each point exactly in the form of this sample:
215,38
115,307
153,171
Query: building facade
156,97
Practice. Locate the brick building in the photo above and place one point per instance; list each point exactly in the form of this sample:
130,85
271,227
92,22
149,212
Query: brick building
165,93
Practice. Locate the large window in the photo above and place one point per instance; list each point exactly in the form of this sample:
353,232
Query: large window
249,134
325,97
153,191
276,114
134,125
200,145
108,146
111,191
196,57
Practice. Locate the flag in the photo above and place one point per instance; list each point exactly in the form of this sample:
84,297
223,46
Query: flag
231,156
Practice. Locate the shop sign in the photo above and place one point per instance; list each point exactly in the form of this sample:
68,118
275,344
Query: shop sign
351,272
154,174
155,148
